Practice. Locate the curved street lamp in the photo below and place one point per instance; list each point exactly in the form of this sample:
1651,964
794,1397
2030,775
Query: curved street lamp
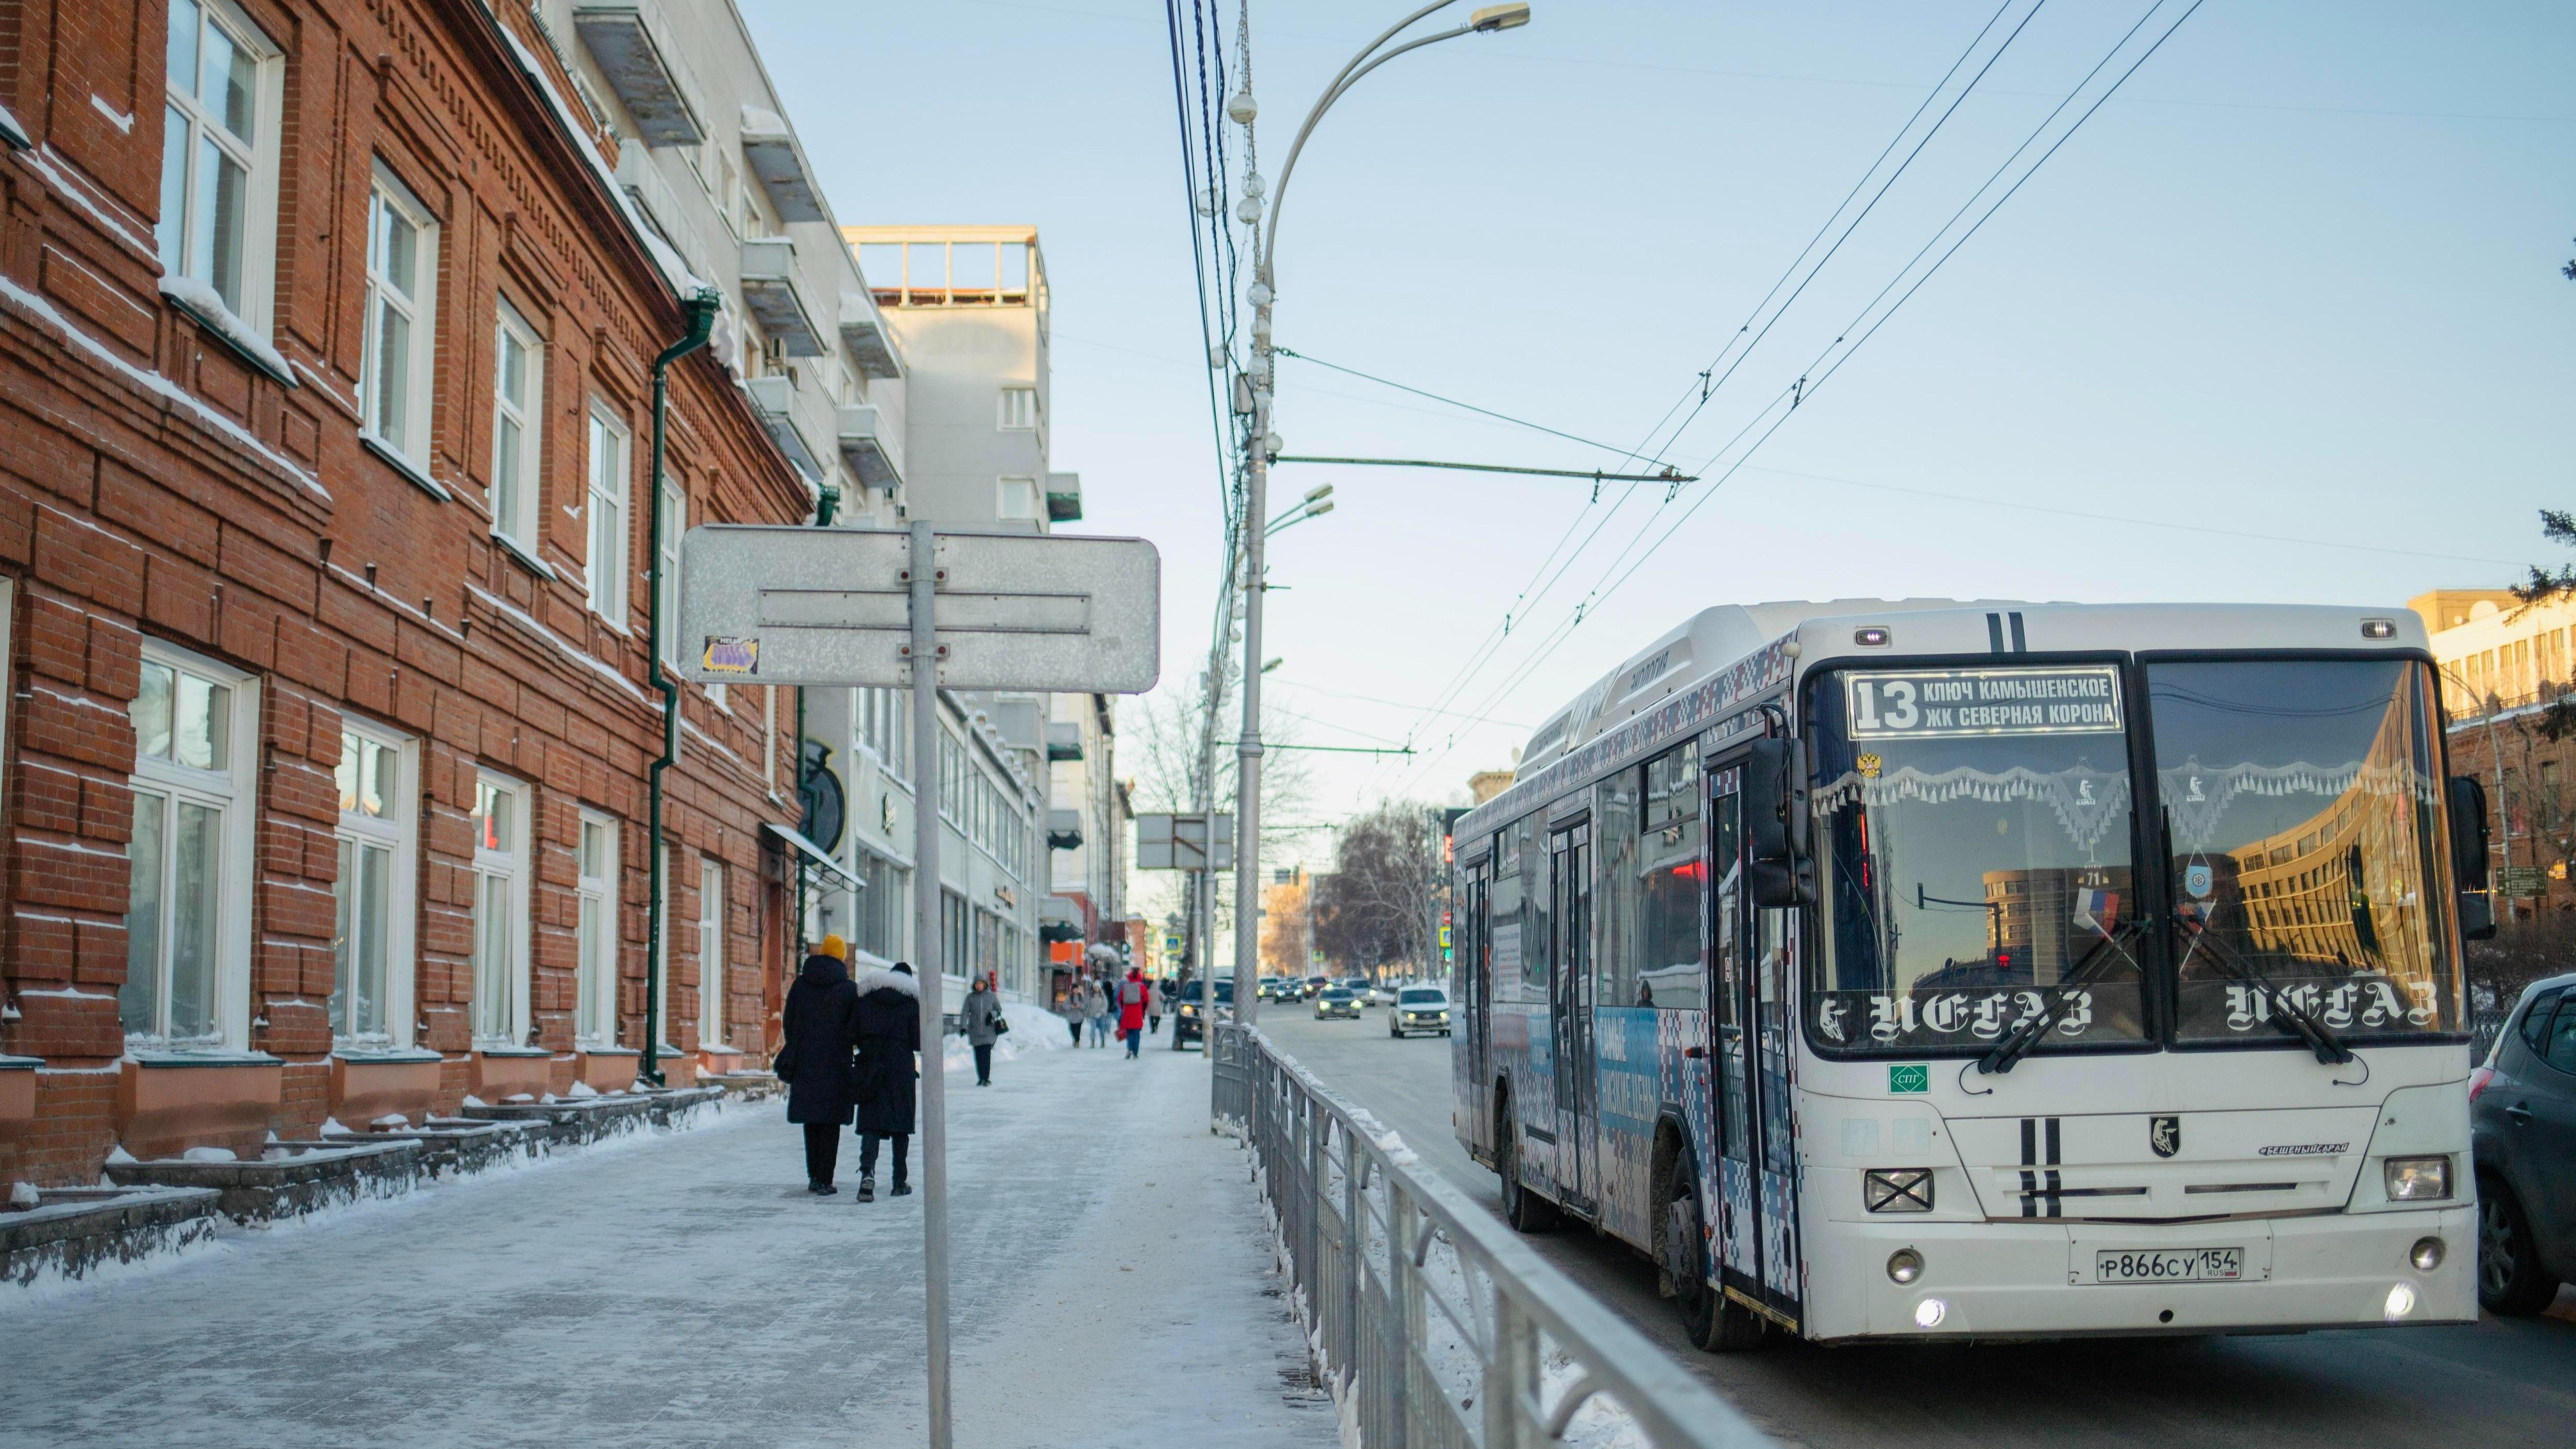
1247,819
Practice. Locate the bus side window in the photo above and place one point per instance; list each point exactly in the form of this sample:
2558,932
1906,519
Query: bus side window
1621,898
1537,929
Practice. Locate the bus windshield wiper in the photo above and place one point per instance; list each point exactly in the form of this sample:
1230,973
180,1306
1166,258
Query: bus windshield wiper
2018,1042
2287,1012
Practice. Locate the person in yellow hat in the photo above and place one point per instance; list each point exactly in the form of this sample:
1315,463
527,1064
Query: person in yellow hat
815,1061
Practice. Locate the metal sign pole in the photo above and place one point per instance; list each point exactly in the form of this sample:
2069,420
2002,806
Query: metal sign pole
928,952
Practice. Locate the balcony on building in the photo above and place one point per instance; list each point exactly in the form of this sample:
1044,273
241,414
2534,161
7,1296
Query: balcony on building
774,398
863,334
1020,723
873,448
780,164
951,266
1064,740
1064,829
770,290
643,66
1059,919
1064,497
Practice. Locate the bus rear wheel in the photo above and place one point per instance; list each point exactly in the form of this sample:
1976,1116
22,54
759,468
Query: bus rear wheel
1713,1321
1525,1210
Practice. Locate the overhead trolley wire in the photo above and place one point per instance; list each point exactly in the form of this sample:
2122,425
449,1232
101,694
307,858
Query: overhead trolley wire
1811,380
1544,581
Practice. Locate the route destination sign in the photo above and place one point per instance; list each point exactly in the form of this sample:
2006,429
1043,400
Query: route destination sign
1914,704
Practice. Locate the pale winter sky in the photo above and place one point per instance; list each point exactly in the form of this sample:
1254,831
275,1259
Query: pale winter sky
2283,321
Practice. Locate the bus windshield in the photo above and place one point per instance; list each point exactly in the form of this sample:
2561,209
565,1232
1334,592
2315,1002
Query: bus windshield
1973,859
2302,810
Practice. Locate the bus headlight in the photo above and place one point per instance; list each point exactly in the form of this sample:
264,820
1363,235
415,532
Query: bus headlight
1930,1312
2401,1301
1904,1266
2417,1179
1897,1189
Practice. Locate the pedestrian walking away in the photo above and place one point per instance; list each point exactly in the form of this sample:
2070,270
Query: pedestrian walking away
821,1030
1095,1004
1133,995
889,1030
985,1024
1071,1010
1154,1005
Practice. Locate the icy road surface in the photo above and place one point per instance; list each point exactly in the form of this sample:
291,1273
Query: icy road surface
1111,1288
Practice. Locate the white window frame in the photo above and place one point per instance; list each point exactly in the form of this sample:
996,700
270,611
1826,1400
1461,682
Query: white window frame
609,464
519,526
233,790
675,521
662,947
595,936
1002,499
508,865
258,158
1018,410
711,952
419,309
396,831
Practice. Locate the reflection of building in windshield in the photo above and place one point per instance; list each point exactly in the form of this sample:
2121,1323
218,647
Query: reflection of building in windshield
2041,922
2332,888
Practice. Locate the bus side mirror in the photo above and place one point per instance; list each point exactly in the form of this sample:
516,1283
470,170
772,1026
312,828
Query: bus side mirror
2469,847
1776,821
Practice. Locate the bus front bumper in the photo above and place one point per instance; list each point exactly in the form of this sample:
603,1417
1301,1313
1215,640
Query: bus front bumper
2042,1279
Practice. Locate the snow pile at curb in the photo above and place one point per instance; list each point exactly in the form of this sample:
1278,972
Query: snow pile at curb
1033,1029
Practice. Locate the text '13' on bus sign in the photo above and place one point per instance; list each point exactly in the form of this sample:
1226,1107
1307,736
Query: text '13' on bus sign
1918,704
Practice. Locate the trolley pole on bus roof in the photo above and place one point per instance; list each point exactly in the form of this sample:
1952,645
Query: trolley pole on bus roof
1256,507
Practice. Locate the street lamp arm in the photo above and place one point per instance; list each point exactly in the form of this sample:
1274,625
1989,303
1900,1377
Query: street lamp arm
1360,65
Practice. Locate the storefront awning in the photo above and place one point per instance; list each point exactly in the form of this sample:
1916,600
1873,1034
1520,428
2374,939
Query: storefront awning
814,855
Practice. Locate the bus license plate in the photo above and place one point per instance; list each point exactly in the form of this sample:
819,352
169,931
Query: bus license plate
2179,1265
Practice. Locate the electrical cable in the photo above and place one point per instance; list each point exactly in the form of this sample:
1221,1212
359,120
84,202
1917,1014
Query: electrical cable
1602,591
1541,579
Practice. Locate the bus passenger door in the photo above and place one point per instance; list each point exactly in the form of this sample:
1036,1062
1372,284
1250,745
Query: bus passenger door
1578,1111
1471,1048
1771,991
1738,1210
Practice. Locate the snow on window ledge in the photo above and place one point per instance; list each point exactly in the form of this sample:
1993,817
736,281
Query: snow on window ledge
521,552
13,133
405,466
201,302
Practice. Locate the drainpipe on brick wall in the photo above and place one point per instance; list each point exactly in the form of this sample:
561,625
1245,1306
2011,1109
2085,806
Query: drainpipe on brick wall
701,310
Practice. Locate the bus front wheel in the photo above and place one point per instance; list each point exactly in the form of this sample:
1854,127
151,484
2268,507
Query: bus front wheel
1712,1320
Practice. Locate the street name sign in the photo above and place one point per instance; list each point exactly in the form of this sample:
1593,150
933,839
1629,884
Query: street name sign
856,607
768,604
1180,842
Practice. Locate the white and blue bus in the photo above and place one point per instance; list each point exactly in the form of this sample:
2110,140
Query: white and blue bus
1928,969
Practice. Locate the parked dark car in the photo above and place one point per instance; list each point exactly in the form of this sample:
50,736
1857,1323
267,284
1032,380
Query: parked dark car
2522,1115
1185,1021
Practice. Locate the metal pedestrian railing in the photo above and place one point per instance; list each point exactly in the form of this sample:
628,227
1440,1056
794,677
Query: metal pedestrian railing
1432,1323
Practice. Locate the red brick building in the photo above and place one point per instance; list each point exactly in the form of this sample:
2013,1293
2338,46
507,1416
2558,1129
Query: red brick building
325,420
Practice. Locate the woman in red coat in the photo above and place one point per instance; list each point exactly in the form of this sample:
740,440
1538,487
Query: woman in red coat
1133,997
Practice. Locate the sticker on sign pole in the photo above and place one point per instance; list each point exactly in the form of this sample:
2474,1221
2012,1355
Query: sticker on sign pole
731,656
1909,1078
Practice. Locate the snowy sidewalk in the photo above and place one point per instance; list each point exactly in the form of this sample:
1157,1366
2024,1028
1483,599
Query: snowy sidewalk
1112,1287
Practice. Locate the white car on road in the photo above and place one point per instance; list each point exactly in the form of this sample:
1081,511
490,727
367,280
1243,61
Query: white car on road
1419,1008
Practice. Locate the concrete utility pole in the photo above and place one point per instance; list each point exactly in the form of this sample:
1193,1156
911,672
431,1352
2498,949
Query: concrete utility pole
1256,506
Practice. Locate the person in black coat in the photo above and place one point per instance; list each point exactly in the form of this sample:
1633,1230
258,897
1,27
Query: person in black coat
821,1023
889,1028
